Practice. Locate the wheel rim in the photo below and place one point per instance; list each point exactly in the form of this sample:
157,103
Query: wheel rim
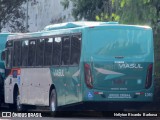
53,106
18,103
53,103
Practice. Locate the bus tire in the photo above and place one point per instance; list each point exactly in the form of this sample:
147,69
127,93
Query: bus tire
53,103
19,106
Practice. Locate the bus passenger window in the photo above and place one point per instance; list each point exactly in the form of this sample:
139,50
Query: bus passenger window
16,55
32,53
9,58
48,51
75,49
40,52
56,51
65,50
24,52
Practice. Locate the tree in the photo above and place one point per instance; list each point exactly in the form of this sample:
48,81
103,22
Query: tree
12,15
124,11
90,9
144,12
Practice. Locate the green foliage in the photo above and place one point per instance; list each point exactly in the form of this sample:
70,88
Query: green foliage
65,4
90,9
157,54
144,12
12,15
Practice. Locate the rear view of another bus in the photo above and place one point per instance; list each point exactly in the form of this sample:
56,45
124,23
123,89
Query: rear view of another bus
3,39
119,64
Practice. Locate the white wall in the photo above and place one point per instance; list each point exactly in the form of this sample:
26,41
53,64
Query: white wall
45,12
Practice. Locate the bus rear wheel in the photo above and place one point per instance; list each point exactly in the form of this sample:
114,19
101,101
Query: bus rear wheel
53,102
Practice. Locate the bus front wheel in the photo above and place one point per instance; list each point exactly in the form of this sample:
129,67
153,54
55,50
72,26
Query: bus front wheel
53,102
19,106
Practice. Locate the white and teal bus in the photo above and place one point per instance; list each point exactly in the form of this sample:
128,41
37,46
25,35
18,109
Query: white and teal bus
80,62
3,40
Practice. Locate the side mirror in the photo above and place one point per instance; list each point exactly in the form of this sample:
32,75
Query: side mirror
3,55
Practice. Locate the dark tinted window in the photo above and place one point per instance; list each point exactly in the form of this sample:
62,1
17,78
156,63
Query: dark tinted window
40,52
9,58
9,44
57,50
48,51
32,52
75,49
17,55
24,53
65,50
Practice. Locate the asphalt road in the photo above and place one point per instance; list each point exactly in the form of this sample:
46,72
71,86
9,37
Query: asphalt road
52,118
69,116
35,114
43,113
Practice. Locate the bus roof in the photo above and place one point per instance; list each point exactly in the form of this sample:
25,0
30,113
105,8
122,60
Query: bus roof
48,30
85,24
5,34
72,25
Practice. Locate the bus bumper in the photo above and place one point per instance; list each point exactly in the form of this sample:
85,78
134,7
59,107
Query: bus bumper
135,96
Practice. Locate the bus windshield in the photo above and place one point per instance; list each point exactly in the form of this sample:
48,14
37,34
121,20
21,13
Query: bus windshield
120,42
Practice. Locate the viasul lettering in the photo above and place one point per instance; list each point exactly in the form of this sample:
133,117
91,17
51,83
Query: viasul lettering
131,66
58,72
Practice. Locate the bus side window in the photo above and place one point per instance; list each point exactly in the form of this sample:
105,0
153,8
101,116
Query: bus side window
65,50
75,49
32,53
24,52
9,58
48,51
40,52
16,55
56,51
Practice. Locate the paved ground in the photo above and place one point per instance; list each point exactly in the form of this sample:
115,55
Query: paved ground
50,118
79,115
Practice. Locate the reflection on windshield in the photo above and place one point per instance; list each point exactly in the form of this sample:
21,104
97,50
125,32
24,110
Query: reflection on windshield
120,42
115,49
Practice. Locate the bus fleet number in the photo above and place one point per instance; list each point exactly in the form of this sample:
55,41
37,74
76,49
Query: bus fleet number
148,94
